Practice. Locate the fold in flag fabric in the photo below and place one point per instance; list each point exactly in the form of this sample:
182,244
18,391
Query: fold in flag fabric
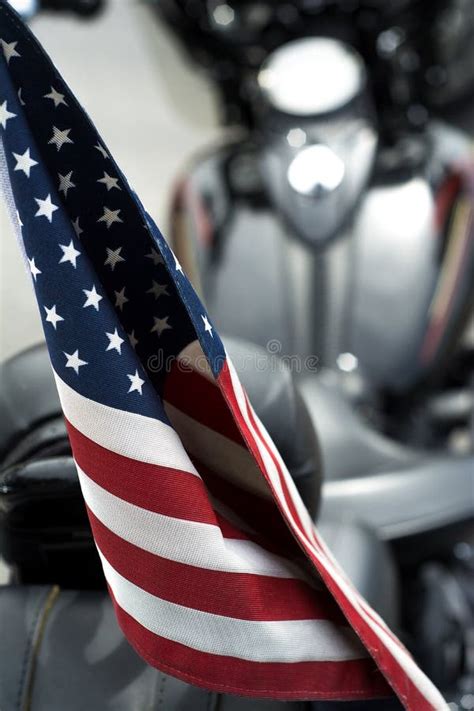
216,571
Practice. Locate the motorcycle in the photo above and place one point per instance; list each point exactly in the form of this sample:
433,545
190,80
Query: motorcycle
337,215
352,189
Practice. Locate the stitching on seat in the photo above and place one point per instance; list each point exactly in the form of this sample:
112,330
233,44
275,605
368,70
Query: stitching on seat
162,690
26,654
32,648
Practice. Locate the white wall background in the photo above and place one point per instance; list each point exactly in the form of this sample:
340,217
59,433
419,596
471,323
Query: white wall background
150,107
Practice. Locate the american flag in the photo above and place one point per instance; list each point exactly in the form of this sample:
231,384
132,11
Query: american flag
216,571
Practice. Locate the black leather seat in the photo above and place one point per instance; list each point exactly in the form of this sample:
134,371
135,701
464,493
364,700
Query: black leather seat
66,652
31,425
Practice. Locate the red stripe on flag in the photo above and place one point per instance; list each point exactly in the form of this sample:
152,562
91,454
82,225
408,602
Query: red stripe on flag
354,679
238,595
199,398
262,515
167,491
406,688
225,381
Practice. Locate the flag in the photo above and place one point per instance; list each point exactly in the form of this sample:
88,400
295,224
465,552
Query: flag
216,571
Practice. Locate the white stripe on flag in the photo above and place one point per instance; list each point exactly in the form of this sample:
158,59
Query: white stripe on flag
189,542
275,641
127,433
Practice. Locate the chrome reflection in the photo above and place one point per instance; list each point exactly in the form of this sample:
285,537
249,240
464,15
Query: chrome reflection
312,76
316,171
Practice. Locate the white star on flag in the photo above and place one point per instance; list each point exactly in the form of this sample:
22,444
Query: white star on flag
74,362
207,325
65,183
93,298
52,316
136,383
9,50
178,266
70,254
5,114
33,268
59,138
161,324
109,217
113,257
109,182
56,97
46,208
115,342
24,162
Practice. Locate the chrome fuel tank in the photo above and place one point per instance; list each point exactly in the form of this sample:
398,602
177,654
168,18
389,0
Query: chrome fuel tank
391,290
